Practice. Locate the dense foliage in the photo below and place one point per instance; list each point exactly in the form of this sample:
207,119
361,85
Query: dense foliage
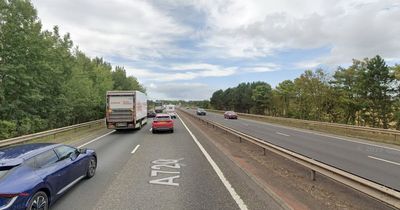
46,82
204,103
366,93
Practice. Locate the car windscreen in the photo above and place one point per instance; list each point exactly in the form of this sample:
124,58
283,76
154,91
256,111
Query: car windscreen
162,118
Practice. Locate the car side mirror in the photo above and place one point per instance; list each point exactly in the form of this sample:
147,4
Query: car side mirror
82,151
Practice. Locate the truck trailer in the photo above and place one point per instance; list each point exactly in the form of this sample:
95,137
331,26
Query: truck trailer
126,109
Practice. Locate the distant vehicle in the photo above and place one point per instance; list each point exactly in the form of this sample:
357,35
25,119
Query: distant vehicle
230,115
201,112
162,122
170,109
158,108
34,176
151,114
126,109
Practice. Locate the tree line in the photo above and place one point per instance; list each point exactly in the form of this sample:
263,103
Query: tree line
46,81
366,93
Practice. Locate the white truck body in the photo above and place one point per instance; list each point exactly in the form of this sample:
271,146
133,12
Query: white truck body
170,109
126,109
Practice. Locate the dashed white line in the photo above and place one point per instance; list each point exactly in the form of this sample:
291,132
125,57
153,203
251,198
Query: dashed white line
95,139
388,161
282,134
326,135
220,174
134,150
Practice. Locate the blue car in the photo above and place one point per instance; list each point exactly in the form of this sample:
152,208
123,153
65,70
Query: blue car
33,176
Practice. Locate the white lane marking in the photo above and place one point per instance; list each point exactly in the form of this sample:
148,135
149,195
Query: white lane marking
134,150
150,129
282,134
96,139
320,134
220,174
388,161
344,139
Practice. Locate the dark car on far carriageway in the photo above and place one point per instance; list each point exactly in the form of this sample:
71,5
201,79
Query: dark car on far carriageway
201,111
230,115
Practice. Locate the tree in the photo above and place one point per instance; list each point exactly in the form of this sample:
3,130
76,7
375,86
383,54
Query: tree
217,100
378,85
44,83
262,96
286,92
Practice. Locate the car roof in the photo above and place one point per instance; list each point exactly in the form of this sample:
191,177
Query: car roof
15,155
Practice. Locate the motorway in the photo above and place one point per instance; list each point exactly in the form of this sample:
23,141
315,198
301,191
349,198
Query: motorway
378,163
141,170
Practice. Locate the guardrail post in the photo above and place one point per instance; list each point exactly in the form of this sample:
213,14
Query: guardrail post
265,152
312,175
240,139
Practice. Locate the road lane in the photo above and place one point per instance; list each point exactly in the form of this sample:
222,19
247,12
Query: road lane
351,156
113,151
168,171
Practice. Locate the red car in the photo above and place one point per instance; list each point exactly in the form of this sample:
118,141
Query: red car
162,122
230,115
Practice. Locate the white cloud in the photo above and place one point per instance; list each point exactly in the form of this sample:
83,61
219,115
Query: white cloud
194,66
192,71
179,91
130,29
228,37
353,29
261,67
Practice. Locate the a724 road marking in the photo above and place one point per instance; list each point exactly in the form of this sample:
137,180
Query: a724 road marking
159,166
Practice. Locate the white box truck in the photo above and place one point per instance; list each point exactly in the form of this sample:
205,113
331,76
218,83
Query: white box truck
126,109
170,109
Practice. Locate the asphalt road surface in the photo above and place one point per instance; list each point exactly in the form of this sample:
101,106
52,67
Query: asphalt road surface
141,170
379,163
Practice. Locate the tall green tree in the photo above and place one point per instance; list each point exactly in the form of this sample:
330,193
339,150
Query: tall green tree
262,97
286,93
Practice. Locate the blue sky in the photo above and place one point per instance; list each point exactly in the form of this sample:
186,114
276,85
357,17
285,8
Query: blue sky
187,49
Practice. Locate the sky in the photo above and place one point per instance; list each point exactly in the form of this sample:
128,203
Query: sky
187,49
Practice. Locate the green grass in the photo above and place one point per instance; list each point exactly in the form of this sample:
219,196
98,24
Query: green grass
68,137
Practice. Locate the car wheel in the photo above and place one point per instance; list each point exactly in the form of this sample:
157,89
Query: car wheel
153,131
39,201
91,167
172,130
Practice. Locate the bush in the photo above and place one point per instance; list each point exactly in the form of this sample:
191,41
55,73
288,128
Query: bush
7,129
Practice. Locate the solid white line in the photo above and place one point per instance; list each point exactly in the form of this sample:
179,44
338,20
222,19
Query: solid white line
134,150
96,139
321,134
388,161
282,134
221,176
354,141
